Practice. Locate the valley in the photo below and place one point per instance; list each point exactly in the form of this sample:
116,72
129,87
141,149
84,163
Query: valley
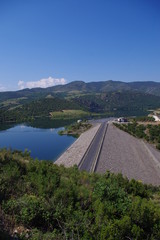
95,99
104,175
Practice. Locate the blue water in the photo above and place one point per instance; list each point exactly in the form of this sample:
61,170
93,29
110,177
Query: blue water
44,144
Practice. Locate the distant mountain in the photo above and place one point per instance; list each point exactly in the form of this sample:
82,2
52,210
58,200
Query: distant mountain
146,87
109,86
80,86
112,98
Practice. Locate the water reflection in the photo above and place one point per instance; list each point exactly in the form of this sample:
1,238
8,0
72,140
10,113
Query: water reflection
40,137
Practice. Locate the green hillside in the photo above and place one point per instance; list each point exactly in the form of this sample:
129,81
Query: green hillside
37,108
110,86
125,103
109,98
53,202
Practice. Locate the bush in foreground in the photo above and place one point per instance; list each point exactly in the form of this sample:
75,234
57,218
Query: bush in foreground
58,203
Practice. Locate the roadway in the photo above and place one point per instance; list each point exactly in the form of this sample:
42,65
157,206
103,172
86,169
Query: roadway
90,159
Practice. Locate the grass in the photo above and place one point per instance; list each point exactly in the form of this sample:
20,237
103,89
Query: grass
69,114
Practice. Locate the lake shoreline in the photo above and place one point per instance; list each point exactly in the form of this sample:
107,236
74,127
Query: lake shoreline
73,155
76,129
43,143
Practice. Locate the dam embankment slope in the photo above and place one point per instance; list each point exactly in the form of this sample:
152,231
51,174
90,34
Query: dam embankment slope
73,155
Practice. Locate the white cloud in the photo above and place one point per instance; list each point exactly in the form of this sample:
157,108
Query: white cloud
43,83
2,88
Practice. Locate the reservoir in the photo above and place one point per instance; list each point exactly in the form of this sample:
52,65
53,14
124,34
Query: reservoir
43,143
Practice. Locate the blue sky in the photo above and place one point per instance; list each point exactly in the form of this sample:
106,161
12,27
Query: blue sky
47,42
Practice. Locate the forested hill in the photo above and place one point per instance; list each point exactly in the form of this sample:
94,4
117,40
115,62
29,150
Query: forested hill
36,108
80,86
109,98
110,86
119,103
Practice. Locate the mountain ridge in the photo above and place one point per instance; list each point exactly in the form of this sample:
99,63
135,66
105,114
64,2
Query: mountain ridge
149,87
113,98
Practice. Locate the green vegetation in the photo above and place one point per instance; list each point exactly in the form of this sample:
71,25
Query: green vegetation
69,114
76,129
120,103
58,203
34,109
143,119
102,98
82,87
149,132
